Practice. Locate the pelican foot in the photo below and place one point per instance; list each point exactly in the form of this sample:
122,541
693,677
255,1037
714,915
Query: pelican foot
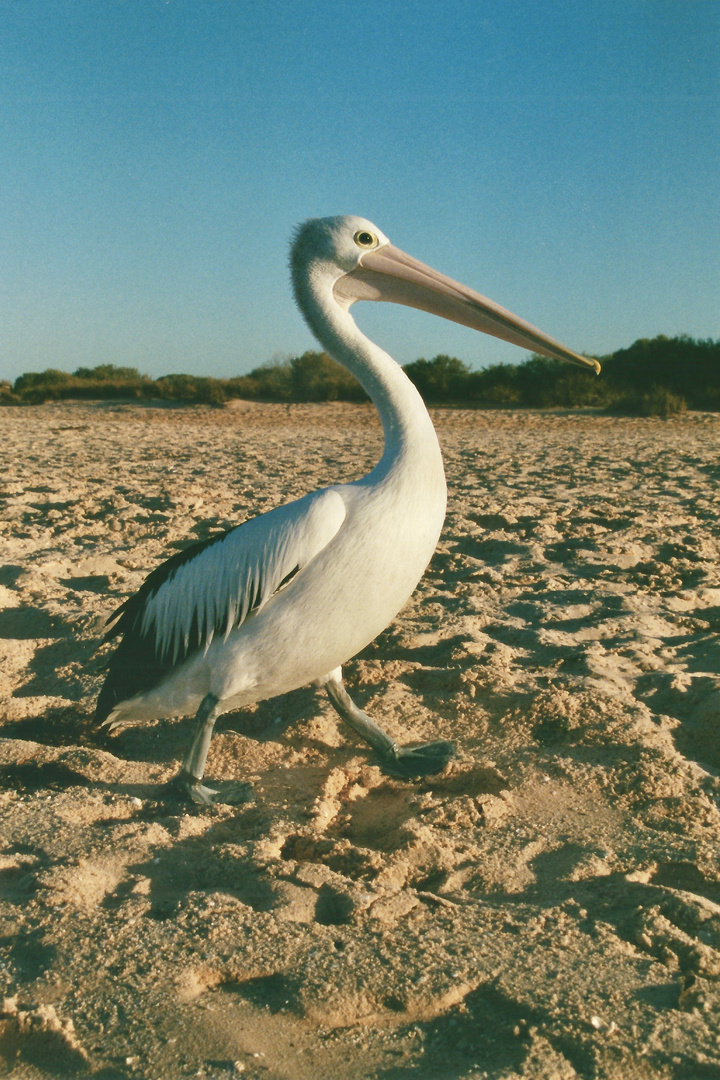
422,760
229,792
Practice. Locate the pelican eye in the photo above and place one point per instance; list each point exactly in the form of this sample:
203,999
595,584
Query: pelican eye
365,239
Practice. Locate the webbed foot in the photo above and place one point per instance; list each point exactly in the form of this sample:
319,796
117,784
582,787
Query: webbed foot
222,792
422,760
229,794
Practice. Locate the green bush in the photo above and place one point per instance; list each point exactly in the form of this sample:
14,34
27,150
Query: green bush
110,373
315,376
658,401
40,380
681,365
7,394
662,402
496,386
104,381
444,378
273,382
653,377
242,386
194,389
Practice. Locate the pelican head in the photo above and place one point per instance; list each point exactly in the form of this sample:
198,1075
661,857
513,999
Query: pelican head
353,259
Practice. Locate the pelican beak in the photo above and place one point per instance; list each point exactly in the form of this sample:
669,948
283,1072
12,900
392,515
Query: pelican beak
386,273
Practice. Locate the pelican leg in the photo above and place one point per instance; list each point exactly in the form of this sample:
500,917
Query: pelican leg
191,774
403,761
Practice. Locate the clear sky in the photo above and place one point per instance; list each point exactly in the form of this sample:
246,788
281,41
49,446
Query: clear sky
559,156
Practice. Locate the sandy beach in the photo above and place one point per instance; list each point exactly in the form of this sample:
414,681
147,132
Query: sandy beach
546,908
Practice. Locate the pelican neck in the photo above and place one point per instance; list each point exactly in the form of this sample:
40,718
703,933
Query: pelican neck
406,423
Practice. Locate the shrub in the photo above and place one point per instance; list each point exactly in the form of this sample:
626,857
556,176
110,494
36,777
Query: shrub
681,365
315,376
109,372
659,401
242,386
197,389
272,381
662,402
7,395
444,378
105,381
653,377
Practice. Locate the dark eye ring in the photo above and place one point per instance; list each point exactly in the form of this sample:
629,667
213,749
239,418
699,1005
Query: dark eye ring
365,239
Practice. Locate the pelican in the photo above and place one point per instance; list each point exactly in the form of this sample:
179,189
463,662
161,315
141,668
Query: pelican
285,599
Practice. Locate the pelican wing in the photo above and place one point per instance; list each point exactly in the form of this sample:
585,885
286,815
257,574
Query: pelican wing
210,588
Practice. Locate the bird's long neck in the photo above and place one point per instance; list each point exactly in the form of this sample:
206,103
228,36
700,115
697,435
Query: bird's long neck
410,437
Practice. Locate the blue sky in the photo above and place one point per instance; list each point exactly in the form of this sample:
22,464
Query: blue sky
560,156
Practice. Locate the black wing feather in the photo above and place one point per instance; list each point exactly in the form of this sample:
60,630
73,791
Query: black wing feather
137,664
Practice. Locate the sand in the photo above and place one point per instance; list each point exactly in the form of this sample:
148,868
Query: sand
547,908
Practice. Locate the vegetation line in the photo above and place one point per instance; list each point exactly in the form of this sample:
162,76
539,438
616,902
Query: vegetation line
658,376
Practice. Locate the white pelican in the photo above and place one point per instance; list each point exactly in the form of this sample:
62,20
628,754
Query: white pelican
286,598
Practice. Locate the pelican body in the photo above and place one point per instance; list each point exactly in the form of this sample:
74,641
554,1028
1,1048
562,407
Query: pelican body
286,598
